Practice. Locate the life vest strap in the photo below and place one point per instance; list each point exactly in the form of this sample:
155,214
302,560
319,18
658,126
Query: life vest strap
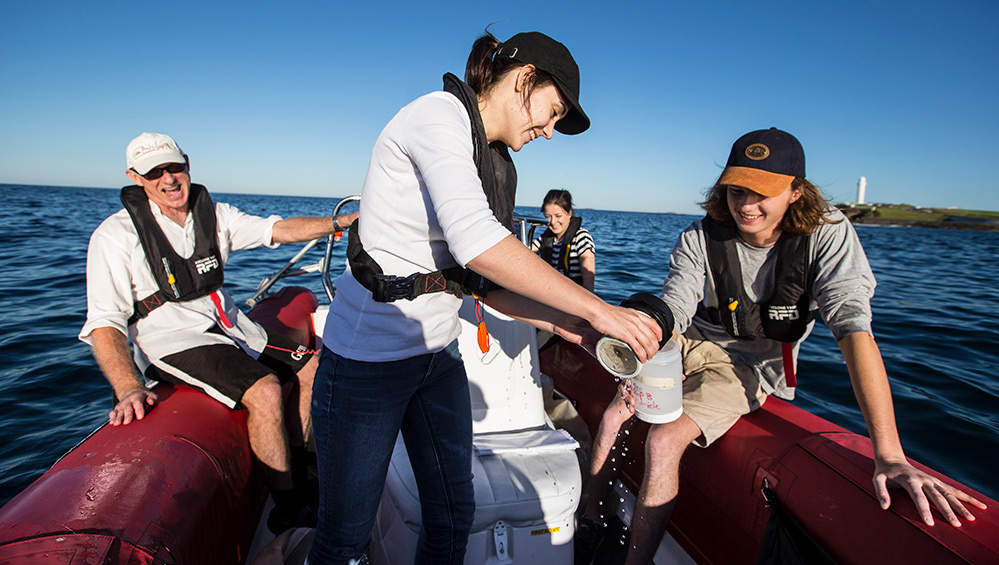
142,308
389,288
787,353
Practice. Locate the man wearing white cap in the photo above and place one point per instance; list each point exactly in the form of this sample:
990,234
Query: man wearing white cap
154,276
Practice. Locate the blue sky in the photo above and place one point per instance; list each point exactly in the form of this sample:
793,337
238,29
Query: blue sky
289,99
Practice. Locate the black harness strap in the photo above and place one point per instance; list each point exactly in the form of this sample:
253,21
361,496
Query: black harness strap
389,288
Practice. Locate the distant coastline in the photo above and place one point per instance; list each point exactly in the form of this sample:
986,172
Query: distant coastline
915,216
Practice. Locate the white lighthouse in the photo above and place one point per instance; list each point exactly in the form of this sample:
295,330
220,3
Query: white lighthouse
861,189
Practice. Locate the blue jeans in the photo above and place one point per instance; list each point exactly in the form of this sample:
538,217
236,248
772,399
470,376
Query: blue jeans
358,409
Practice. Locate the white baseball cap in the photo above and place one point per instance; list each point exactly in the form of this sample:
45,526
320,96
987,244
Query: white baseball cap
151,149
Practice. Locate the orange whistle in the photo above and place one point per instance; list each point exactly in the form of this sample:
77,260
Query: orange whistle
483,336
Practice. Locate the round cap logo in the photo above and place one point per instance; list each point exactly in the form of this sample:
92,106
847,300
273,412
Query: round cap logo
757,152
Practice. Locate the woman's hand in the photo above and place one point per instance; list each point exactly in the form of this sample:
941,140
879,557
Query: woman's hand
638,330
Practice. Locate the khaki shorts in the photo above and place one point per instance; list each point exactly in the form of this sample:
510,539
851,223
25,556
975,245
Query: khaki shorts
716,392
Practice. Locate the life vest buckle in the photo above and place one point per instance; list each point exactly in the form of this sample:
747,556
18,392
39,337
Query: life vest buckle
390,288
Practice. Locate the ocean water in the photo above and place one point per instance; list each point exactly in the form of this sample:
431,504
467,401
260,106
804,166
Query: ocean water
935,315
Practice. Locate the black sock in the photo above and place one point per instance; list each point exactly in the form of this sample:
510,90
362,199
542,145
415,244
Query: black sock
299,455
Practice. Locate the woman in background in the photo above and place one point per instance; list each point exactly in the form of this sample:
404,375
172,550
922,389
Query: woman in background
566,245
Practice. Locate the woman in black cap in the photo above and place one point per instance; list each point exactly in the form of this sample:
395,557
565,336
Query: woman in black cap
435,218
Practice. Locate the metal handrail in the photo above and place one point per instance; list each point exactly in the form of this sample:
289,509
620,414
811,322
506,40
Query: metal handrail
327,283
527,227
322,266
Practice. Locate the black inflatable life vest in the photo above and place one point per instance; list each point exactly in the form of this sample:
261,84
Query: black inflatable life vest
499,183
784,316
179,279
548,245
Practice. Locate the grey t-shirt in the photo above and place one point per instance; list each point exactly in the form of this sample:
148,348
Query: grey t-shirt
842,289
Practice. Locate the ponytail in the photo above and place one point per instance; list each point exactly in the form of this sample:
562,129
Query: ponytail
479,72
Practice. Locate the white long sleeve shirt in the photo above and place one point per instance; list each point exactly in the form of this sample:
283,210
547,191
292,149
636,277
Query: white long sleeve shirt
422,209
118,275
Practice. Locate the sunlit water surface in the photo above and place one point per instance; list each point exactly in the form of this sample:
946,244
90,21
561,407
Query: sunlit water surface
935,317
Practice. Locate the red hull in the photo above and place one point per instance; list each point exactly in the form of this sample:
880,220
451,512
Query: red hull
820,472
179,486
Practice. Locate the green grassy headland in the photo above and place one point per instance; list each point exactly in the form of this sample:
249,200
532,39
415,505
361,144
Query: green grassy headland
906,215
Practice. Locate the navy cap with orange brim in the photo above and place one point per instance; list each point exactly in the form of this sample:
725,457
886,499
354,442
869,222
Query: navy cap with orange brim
764,161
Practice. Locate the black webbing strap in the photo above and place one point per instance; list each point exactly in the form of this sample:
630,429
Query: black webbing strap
143,307
389,288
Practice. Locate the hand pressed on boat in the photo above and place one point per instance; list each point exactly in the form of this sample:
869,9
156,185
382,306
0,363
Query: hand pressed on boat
924,489
132,406
870,385
111,352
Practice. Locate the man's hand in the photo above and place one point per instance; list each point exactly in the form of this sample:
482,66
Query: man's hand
924,490
132,406
626,390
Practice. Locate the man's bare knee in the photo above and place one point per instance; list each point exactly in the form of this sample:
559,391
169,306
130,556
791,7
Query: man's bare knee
265,396
307,373
666,443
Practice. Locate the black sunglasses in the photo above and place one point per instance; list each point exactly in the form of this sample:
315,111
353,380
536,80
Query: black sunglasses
172,168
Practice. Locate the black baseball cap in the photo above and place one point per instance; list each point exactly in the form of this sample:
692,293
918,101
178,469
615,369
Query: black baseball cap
764,161
552,57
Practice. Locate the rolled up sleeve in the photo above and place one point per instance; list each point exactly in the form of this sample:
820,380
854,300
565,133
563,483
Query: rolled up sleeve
443,156
109,286
246,231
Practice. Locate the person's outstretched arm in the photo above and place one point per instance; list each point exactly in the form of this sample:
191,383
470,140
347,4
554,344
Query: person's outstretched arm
302,228
514,267
870,385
